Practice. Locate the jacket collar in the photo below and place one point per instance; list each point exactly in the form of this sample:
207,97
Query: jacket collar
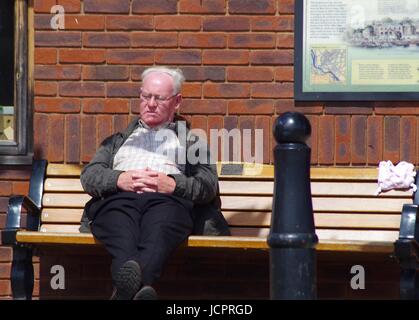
172,125
138,123
166,125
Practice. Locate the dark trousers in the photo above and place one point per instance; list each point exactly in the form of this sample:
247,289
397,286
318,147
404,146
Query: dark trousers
144,227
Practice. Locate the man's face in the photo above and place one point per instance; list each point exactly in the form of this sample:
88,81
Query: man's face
157,103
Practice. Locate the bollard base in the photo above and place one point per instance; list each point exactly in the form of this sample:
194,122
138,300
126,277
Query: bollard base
293,274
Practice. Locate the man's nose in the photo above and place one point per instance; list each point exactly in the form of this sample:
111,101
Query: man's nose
152,102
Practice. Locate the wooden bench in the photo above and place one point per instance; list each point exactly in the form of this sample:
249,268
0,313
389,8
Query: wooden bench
348,217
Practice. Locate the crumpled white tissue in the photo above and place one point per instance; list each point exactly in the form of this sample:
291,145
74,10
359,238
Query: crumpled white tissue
401,176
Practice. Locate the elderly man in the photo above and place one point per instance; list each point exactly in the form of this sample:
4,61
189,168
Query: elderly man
145,202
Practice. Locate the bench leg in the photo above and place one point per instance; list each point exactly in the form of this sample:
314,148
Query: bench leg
409,284
22,275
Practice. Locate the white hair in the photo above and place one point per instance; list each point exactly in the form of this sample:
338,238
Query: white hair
176,74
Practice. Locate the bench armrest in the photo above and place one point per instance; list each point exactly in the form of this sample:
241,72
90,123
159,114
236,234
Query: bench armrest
409,223
13,218
406,248
31,203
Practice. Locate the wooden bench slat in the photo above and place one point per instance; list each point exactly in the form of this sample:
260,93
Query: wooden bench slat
79,200
364,189
323,234
335,204
260,219
62,184
68,170
207,241
57,215
323,173
357,221
329,234
356,246
258,188
359,235
65,228
326,204
55,238
65,200
316,173
344,173
261,243
249,170
321,220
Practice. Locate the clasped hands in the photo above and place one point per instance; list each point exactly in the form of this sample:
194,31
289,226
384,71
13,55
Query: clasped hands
146,180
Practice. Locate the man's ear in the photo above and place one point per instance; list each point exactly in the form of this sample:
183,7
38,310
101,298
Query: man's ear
178,101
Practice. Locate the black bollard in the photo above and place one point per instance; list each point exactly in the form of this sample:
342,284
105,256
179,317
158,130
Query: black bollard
292,238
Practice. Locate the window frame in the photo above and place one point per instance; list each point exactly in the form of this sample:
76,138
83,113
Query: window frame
20,151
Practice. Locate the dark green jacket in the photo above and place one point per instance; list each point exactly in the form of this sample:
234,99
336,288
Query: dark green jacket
199,183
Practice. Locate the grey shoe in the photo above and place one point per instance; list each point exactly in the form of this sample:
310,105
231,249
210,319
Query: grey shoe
127,281
146,293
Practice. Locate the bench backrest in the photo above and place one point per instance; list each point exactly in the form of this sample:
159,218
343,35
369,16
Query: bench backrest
344,204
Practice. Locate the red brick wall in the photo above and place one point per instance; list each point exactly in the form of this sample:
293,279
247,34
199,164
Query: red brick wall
238,59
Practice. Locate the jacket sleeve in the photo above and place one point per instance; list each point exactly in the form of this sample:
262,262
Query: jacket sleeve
98,178
201,182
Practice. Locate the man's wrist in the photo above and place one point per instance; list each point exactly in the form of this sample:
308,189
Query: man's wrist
119,178
174,185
